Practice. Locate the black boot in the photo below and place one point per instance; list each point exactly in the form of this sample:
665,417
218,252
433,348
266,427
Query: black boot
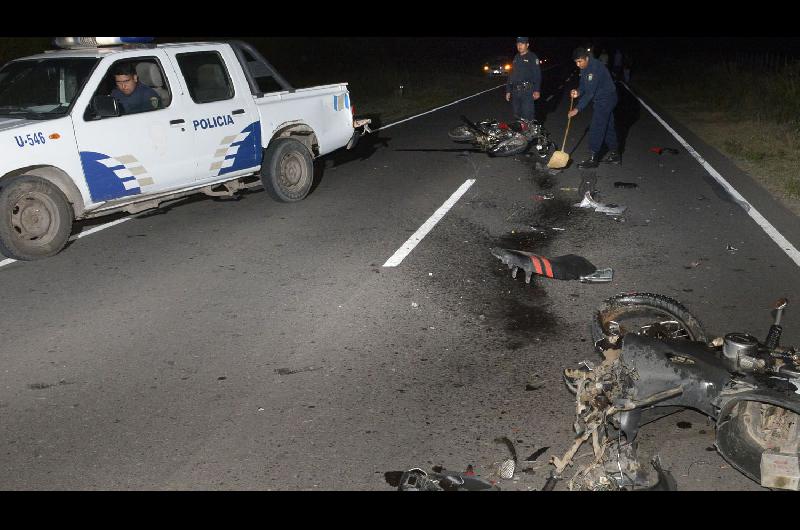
590,162
613,158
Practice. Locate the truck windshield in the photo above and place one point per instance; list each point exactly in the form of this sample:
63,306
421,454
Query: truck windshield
42,88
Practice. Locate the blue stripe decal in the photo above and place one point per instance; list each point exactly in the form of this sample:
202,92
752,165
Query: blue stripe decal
249,153
103,183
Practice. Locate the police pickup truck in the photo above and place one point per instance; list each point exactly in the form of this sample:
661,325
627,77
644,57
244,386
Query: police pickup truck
223,120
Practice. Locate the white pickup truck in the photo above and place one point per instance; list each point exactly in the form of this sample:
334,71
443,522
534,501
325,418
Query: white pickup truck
223,120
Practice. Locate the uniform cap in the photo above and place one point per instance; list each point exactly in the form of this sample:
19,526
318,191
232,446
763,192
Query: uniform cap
579,52
523,40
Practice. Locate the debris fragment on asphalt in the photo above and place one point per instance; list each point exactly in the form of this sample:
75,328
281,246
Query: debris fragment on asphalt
659,150
608,209
414,304
731,249
692,265
506,469
544,197
536,454
290,371
627,185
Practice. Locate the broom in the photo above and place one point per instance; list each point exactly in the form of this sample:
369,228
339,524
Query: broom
561,158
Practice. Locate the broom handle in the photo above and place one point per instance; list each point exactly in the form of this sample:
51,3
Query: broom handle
569,119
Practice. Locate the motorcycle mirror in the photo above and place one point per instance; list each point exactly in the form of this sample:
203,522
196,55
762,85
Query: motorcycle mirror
781,303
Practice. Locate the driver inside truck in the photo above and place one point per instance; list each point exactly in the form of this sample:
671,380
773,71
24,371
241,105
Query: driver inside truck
132,95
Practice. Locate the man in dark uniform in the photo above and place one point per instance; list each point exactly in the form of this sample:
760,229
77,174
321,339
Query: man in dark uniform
525,81
596,86
132,95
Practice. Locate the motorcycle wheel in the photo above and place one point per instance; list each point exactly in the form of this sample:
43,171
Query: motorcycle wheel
510,146
654,315
462,133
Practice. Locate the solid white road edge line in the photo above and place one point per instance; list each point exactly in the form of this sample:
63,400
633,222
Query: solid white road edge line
80,235
450,104
765,225
437,108
423,230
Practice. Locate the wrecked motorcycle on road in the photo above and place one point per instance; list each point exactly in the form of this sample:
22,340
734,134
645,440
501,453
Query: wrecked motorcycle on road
499,138
656,355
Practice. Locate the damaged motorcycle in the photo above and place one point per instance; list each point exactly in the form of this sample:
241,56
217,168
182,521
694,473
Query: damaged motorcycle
657,357
499,138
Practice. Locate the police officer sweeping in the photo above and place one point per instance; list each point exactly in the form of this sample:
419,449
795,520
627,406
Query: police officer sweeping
597,87
525,81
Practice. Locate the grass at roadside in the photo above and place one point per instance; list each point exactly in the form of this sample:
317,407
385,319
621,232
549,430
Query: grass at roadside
751,116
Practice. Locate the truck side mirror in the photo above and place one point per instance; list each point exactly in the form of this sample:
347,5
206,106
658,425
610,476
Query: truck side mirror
106,106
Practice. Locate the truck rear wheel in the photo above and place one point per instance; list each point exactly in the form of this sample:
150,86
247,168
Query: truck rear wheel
35,218
288,170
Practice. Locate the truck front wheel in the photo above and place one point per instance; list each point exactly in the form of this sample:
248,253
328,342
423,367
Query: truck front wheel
288,170
35,218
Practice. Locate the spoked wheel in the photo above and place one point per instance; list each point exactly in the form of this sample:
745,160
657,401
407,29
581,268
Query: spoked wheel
510,146
653,315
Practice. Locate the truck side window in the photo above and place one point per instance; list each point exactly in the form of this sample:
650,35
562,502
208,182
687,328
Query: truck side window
206,76
146,75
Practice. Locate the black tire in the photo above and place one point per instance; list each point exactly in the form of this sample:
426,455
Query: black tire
513,145
462,133
35,218
288,170
645,313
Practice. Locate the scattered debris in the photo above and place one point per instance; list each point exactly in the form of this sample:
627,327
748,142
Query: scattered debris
731,249
569,267
533,386
569,189
418,480
659,150
545,197
692,265
414,305
608,209
620,184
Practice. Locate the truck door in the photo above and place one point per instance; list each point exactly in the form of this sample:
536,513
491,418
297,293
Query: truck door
222,114
142,151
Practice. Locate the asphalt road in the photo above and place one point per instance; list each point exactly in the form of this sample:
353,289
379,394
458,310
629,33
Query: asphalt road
255,345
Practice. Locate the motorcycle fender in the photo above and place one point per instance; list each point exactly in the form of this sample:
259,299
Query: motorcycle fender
735,441
661,365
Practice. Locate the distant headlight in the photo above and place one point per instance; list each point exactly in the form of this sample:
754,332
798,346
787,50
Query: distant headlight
507,67
486,68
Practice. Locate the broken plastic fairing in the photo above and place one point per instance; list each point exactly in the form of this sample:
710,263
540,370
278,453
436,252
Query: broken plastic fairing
608,209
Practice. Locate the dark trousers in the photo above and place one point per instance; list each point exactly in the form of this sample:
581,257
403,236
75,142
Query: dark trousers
523,104
602,130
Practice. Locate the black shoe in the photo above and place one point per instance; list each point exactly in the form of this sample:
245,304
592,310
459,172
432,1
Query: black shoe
589,163
613,158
